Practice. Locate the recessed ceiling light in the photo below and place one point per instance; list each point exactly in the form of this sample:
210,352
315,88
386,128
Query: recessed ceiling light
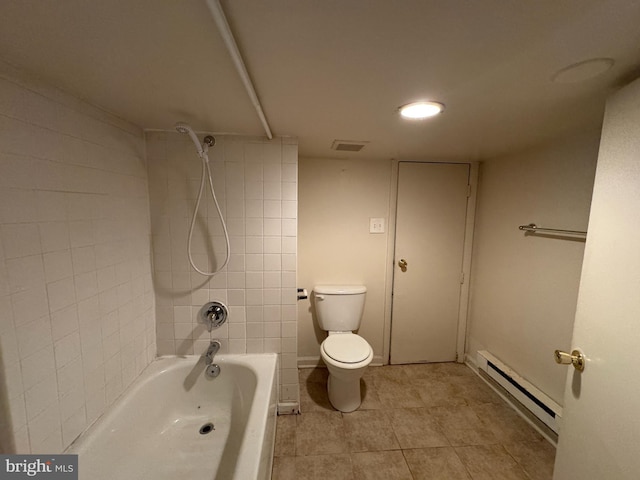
582,71
418,110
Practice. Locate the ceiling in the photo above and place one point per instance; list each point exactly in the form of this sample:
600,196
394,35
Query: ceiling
337,69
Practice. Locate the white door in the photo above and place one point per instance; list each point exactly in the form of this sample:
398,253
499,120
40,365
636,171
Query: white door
600,435
430,224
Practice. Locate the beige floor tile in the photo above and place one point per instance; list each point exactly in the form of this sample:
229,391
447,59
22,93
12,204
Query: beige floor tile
422,371
313,467
416,428
454,369
397,393
285,436
314,398
368,431
505,423
420,409
536,458
393,373
462,426
370,372
436,370
284,468
490,462
324,467
389,465
435,464
320,433
474,390
438,391
313,375
370,399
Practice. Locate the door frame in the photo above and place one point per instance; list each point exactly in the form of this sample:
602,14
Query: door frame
466,260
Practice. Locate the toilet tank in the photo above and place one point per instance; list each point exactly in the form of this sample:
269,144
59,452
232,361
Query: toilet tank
339,307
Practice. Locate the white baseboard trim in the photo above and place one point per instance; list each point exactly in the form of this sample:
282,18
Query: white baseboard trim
310,362
513,402
290,408
377,361
470,361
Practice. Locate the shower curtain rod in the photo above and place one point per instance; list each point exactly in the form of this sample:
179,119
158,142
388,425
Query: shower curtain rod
532,227
227,36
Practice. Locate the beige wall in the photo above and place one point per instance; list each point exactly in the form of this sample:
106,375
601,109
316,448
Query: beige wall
524,288
76,302
336,200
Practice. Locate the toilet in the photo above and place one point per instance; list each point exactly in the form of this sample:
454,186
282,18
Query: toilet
339,311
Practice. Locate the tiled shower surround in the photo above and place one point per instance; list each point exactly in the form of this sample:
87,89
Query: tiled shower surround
256,185
78,295
76,300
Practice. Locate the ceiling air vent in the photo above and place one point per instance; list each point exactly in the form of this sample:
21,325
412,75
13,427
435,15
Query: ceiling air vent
348,145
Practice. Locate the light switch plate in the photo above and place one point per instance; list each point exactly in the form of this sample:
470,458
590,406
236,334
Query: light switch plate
376,225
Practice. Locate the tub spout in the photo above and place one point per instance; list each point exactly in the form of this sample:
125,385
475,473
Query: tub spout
211,351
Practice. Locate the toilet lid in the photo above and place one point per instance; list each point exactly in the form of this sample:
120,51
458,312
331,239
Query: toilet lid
346,348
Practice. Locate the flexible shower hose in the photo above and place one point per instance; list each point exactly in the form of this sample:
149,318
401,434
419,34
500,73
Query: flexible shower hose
207,171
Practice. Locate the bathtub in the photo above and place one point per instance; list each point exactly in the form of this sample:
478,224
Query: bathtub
174,422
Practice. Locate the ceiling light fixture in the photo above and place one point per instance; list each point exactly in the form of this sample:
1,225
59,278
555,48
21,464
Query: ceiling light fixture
583,71
419,110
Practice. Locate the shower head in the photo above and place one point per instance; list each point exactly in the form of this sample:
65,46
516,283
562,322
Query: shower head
182,127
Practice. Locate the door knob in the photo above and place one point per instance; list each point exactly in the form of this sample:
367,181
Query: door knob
575,358
403,264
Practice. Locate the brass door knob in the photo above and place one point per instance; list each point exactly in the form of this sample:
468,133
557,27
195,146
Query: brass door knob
575,358
403,264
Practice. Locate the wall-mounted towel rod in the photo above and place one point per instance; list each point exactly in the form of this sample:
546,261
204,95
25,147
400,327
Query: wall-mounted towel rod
532,227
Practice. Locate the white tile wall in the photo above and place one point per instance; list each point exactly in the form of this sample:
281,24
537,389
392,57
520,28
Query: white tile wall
256,185
76,301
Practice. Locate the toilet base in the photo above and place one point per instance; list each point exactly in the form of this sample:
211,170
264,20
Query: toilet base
344,395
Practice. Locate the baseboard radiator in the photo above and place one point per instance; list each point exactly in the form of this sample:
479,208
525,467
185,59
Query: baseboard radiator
540,405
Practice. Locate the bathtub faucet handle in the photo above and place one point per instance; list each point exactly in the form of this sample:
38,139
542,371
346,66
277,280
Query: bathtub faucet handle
214,346
213,314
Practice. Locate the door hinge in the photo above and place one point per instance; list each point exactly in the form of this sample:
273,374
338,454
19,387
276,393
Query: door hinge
468,191
461,278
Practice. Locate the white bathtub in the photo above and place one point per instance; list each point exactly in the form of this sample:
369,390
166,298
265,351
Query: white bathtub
153,430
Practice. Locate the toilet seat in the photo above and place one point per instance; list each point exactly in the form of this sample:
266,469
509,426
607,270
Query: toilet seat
346,348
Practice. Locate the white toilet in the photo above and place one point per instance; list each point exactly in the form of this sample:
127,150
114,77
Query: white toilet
339,311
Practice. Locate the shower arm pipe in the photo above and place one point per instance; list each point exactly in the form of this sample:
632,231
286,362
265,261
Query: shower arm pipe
227,36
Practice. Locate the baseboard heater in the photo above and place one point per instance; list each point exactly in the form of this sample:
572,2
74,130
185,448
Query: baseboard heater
540,405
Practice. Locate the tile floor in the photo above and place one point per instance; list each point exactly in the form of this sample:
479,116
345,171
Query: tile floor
416,422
